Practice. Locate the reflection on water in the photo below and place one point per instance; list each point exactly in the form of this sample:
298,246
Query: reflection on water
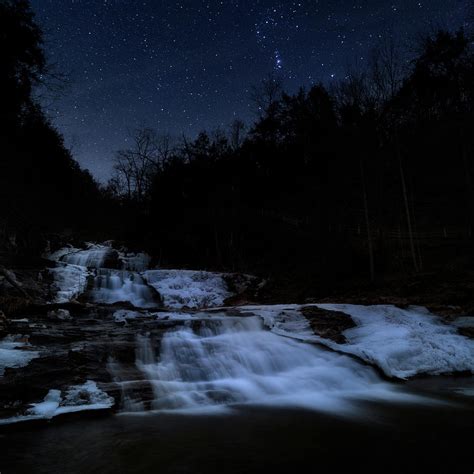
401,439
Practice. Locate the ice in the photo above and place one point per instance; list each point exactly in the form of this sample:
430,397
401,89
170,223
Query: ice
124,315
284,320
405,342
76,398
464,322
70,281
401,342
58,255
12,355
100,256
188,288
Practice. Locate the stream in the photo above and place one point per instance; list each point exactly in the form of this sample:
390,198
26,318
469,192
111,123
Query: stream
138,369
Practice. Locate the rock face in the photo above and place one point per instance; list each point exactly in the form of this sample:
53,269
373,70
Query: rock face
328,324
3,324
60,314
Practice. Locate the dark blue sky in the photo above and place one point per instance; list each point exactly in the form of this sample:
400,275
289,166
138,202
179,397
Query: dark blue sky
184,66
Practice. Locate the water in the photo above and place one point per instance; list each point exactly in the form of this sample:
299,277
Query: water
113,286
214,364
224,395
392,440
93,257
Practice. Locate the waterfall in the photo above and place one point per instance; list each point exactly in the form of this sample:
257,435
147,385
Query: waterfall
95,256
233,361
113,286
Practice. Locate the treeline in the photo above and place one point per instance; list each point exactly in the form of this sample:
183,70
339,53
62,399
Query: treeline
42,189
371,177
368,178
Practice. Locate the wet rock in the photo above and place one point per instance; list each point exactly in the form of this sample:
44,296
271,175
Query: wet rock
465,326
246,289
328,324
3,324
61,314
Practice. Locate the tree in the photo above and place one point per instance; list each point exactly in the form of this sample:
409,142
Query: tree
136,166
266,94
237,134
386,70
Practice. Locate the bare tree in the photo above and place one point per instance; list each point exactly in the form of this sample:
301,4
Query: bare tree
164,149
387,70
237,133
135,166
353,91
265,94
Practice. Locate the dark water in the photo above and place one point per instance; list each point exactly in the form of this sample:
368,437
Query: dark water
385,438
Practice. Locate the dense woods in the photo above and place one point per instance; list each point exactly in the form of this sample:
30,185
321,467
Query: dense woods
367,178
42,188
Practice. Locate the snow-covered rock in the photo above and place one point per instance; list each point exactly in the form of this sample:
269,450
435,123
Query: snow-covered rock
188,288
401,342
12,355
124,315
101,256
70,281
405,342
77,398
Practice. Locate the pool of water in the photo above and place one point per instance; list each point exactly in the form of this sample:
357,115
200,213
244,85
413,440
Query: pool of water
387,438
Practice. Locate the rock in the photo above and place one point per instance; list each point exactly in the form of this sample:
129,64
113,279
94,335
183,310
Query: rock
328,324
61,314
3,324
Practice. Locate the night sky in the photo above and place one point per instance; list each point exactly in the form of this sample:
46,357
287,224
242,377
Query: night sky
185,66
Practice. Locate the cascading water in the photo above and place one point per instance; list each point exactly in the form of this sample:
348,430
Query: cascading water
113,286
232,361
95,256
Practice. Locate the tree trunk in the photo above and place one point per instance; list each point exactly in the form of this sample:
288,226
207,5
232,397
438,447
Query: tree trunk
367,223
407,211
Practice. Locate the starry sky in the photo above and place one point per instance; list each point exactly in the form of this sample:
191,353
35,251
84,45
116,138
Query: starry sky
184,66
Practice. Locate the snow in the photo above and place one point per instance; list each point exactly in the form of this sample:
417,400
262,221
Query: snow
96,255
284,320
189,288
70,281
124,315
77,398
401,342
12,355
464,322
58,255
405,342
